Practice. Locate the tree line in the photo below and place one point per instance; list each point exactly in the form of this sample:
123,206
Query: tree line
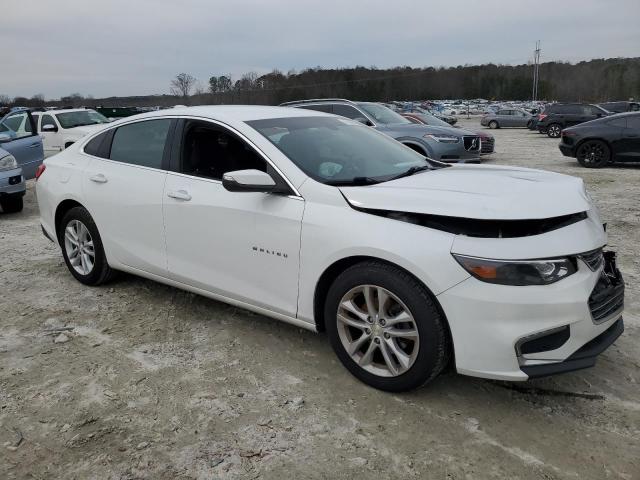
588,81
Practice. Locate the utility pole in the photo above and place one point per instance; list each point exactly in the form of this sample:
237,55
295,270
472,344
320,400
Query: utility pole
536,71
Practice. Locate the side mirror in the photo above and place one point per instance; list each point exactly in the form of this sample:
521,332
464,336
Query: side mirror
49,128
248,181
5,137
364,121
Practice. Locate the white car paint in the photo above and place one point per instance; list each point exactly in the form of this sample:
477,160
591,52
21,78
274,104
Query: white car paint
267,252
55,142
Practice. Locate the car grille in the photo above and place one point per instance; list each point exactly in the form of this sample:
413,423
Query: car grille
471,144
607,297
593,259
488,145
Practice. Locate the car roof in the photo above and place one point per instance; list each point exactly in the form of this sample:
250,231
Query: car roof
237,113
63,110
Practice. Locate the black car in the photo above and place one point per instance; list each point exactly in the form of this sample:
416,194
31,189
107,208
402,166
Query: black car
620,107
612,139
558,116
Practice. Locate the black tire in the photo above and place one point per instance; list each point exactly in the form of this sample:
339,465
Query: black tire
554,130
493,125
434,349
593,154
12,203
101,271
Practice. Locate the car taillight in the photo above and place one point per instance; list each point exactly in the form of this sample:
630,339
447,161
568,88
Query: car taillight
541,116
40,170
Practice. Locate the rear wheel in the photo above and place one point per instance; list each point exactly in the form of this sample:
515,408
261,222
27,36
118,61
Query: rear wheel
493,124
11,203
385,328
82,248
593,154
554,130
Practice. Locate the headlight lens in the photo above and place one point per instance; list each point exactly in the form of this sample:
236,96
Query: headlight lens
8,163
442,137
517,272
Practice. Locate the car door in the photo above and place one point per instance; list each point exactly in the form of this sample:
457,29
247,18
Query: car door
123,187
239,245
520,118
51,135
25,144
503,118
629,143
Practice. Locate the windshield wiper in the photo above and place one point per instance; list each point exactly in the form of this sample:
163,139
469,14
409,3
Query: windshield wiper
356,181
411,171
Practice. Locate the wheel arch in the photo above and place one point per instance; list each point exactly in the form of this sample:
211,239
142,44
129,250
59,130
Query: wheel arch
62,208
336,268
600,139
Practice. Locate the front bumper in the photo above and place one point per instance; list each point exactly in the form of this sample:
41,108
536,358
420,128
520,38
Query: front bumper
490,322
455,152
12,182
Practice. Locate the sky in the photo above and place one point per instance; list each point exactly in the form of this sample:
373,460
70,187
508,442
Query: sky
135,47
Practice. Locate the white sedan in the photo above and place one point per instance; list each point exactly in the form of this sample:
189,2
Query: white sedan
324,223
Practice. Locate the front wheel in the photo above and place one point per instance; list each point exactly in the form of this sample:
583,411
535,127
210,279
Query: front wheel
493,124
593,154
554,130
82,248
385,328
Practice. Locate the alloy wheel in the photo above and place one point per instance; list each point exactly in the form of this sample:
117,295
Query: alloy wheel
79,247
554,131
377,330
592,153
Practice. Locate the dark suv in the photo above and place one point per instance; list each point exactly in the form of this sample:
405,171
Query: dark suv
446,144
562,115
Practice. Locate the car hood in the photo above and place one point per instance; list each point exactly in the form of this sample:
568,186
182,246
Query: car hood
479,192
418,130
86,129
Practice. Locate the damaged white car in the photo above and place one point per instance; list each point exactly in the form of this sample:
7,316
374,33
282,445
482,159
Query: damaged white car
320,221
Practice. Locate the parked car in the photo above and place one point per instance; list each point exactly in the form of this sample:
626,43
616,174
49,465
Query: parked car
19,138
61,128
439,143
506,117
20,155
620,107
488,141
406,262
594,144
557,116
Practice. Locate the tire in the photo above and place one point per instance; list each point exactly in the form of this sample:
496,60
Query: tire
493,125
421,341
12,204
554,130
95,272
593,154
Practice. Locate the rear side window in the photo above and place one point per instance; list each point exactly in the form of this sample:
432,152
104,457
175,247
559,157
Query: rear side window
504,112
319,108
141,143
347,111
96,146
47,120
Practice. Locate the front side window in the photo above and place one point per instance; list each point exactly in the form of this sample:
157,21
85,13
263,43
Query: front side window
210,151
18,125
80,118
381,114
338,151
141,143
318,108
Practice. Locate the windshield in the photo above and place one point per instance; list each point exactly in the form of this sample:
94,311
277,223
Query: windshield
79,118
381,114
338,151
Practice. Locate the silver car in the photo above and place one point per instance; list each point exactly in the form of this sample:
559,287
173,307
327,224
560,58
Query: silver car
506,117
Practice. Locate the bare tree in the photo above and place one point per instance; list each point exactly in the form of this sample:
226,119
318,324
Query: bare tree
181,85
5,100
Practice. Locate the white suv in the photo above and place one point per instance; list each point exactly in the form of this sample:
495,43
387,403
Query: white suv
322,222
61,128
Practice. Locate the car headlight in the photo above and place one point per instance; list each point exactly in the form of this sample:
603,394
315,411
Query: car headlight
8,163
518,272
442,137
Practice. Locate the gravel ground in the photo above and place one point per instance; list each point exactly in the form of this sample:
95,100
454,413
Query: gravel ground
139,380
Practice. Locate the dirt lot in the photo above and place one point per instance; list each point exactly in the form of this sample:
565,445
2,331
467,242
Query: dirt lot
156,383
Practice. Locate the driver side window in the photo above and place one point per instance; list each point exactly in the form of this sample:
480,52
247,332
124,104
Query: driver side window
210,151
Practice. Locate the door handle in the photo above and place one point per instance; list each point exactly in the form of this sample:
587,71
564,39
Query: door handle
179,195
99,178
